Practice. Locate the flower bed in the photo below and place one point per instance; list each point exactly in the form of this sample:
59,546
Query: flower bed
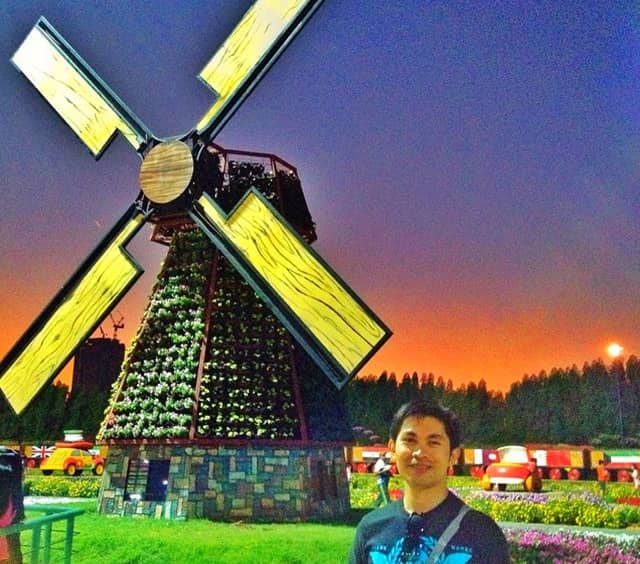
583,508
577,507
62,486
540,547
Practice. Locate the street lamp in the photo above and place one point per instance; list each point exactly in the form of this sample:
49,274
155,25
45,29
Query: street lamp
615,350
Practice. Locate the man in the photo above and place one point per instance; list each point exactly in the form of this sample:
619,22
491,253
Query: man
429,523
603,477
383,471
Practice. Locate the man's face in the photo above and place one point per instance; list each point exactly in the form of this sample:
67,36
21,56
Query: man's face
423,452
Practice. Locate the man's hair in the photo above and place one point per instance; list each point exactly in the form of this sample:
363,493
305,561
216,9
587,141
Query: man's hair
423,408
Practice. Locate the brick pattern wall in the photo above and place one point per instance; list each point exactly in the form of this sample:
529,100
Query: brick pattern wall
233,483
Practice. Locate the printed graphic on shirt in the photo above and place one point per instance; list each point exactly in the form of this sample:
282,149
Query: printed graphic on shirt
416,550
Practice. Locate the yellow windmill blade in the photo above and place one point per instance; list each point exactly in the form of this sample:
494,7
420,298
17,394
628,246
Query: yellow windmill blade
325,316
73,314
247,54
76,92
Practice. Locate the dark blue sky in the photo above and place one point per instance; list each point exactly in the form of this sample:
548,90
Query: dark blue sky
472,167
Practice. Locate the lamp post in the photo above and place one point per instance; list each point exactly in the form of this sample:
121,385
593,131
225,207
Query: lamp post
615,350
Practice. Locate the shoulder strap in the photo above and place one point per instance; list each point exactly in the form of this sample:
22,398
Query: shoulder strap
445,537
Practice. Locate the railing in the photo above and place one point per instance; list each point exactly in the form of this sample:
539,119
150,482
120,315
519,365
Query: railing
41,532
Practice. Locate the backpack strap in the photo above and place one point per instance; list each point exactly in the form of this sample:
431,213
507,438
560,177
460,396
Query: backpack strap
446,536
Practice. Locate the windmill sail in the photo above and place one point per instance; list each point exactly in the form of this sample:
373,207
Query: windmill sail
73,314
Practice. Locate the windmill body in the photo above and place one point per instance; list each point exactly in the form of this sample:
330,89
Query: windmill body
212,371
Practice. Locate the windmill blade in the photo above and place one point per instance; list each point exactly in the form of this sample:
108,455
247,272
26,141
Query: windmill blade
76,92
323,314
74,313
247,54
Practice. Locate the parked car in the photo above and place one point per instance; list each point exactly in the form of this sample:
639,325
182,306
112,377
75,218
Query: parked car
72,461
514,466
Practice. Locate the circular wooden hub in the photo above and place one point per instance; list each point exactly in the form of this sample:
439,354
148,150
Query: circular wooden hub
166,172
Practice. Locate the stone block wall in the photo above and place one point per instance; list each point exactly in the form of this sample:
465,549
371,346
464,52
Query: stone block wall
256,483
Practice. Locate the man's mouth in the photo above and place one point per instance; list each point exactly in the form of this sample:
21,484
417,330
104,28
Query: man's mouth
420,465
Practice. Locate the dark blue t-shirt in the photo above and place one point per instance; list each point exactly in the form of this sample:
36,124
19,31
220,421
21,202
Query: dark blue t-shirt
390,535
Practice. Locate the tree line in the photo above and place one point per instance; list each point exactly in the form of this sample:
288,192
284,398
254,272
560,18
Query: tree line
50,413
596,405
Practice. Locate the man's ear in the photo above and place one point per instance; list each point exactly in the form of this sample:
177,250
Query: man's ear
391,445
454,456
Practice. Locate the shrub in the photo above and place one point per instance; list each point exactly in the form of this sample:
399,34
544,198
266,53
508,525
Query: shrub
62,486
574,504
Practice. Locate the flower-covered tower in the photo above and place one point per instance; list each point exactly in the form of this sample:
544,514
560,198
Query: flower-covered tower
217,411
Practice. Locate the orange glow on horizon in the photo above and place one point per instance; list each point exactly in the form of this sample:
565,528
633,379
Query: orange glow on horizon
455,343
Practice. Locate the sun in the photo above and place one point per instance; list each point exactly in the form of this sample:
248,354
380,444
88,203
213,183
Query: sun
614,350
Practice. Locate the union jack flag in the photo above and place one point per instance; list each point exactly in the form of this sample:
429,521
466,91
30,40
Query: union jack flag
42,451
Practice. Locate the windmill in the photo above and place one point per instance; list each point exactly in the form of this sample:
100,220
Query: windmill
337,331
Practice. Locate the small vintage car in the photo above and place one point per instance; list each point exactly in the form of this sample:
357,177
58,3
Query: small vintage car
513,467
72,461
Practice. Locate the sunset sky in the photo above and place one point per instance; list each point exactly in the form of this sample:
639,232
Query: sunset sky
473,168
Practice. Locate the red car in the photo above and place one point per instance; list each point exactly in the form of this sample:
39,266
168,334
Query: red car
514,466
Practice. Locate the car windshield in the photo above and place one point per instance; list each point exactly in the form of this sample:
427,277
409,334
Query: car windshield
513,454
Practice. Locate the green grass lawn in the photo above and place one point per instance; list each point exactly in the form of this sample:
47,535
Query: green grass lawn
107,540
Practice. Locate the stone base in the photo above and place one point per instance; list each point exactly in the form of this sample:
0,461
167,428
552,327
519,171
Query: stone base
256,483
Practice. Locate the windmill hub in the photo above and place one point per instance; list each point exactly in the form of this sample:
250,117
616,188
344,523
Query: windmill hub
166,172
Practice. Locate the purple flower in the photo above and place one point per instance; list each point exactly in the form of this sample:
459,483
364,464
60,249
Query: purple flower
564,546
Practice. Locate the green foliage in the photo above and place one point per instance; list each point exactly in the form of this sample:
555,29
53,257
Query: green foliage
565,511
62,486
247,384
85,411
153,396
568,405
616,490
152,541
363,490
42,421
571,503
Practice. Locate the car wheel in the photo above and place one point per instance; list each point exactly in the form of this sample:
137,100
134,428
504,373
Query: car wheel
71,470
574,474
555,474
486,483
98,469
